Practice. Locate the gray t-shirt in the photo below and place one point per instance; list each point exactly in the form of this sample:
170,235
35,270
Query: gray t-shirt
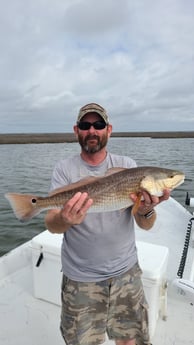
103,245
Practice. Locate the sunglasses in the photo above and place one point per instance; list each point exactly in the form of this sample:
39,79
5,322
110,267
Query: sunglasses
84,125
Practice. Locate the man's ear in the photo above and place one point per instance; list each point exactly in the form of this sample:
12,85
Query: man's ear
75,128
109,130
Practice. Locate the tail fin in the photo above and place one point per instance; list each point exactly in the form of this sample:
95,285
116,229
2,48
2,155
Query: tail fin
23,205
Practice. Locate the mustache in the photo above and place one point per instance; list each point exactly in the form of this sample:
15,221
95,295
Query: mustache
91,137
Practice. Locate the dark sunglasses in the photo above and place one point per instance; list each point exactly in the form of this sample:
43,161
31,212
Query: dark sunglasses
84,125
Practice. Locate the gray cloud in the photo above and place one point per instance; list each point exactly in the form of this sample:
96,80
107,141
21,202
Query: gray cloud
135,58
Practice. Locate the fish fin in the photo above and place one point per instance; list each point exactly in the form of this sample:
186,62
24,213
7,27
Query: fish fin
85,180
23,206
80,183
136,204
123,209
112,171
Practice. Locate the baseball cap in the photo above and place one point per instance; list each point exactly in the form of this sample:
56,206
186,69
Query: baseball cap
93,108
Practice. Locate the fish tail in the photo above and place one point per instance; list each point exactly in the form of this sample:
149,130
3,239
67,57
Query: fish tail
23,205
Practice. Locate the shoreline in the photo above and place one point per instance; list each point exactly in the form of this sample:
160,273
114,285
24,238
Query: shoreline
41,138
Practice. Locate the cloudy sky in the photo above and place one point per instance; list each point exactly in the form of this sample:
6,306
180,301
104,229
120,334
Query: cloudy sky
134,57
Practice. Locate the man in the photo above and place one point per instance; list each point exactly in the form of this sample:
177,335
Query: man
101,289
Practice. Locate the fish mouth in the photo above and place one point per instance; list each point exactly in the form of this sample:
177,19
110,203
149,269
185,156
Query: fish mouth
180,182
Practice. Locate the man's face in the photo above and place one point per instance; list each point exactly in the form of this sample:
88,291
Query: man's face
92,140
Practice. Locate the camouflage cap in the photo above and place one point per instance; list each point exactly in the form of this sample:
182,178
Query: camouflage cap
93,108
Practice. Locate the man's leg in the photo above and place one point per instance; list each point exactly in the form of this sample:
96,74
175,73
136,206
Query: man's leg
84,312
128,311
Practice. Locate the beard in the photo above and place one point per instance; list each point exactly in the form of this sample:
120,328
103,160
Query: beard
98,143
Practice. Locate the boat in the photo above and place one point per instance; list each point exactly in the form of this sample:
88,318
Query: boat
30,277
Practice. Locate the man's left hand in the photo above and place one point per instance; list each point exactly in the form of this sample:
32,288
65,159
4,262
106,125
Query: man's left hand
148,201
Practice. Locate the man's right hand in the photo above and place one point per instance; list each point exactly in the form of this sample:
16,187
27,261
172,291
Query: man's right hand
75,209
72,213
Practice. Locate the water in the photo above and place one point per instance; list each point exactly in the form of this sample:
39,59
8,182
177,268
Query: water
28,168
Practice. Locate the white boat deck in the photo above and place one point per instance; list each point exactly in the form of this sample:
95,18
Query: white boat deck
25,319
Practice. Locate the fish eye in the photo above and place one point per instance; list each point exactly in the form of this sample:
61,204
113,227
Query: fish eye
33,201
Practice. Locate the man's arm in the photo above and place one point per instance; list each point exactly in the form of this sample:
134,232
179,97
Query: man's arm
144,222
73,212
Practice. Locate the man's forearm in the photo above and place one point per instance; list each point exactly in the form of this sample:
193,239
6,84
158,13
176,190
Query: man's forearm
145,223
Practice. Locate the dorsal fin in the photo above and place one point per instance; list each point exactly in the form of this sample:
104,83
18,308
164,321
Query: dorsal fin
112,171
80,183
85,180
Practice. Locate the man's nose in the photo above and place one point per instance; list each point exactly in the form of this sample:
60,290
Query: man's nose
92,129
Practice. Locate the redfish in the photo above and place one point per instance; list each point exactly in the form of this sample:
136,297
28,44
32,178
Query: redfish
109,193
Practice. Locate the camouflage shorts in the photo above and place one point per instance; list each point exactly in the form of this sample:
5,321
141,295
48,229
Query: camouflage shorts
116,306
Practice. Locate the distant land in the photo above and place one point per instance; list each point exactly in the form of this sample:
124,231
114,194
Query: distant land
40,138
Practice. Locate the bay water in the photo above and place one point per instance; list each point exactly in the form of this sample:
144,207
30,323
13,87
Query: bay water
27,168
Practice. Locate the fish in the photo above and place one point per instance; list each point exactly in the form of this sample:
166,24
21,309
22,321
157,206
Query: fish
109,192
